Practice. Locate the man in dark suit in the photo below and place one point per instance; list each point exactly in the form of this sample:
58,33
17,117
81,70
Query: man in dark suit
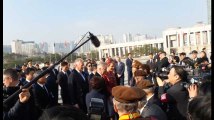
120,68
194,58
176,97
78,85
163,62
28,75
52,84
62,80
151,95
129,67
43,97
182,57
19,108
15,107
151,63
29,72
52,81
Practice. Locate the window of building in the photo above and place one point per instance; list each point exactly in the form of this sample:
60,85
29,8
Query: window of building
197,37
205,40
185,39
173,43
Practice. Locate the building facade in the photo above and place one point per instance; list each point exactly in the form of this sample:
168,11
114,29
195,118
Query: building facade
122,49
16,46
187,39
29,48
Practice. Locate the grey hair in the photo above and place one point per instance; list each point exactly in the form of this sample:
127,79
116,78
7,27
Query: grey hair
101,64
78,60
127,107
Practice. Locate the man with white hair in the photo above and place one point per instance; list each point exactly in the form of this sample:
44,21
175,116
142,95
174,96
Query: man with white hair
101,69
78,85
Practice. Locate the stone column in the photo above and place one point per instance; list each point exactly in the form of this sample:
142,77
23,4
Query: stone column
129,49
119,51
100,53
209,38
124,51
188,39
169,42
111,52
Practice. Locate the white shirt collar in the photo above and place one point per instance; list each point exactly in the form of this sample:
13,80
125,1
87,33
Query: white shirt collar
150,97
40,84
27,80
63,71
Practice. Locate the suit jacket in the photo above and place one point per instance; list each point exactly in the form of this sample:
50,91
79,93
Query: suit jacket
78,88
120,69
177,100
129,64
42,98
62,80
155,100
162,63
54,72
153,110
51,83
151,65
15,112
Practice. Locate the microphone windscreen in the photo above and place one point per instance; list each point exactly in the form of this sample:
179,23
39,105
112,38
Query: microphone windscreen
94,40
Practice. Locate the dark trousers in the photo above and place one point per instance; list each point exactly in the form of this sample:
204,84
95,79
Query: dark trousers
121,80
129,76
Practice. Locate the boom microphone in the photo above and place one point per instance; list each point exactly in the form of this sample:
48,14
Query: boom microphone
94,40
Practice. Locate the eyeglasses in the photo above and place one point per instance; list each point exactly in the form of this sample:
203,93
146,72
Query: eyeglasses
89,66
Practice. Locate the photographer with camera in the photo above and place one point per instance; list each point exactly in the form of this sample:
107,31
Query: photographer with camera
199,90
176,97
200,101
163,62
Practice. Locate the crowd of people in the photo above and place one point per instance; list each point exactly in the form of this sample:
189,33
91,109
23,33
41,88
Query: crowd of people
159,89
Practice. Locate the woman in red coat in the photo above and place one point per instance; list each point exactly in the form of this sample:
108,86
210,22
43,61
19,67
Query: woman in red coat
110,80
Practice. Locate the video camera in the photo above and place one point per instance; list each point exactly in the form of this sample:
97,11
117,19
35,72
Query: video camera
96,109
198,80
194,80
162,75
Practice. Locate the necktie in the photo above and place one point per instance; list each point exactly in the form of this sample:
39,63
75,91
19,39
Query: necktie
82,76
53,71
45,90
66,73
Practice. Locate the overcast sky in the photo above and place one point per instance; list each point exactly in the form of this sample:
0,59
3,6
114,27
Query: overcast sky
64,20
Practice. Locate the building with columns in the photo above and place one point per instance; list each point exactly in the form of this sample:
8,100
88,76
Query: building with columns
187,39
122,49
